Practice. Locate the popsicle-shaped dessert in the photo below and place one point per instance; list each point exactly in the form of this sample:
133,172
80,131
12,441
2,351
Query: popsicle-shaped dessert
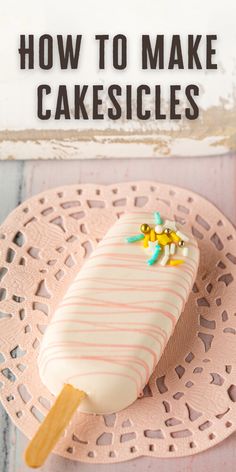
111,328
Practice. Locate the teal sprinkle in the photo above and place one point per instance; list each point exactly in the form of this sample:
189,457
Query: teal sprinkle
133,239
155,256
158,219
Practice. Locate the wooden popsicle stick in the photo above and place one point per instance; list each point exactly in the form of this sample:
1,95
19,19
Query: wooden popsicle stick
53,426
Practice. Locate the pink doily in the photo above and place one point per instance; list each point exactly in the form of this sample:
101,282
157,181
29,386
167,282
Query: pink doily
190,403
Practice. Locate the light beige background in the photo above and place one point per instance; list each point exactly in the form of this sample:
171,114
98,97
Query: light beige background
23,136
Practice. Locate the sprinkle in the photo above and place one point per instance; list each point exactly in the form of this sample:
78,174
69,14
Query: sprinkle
172,248
175,262
158,219
159,229
164,260
174,237
155,255
170,224
152,245
185,251
146,240
133,239
152,235
166,255
145,228
163,239
182,236
167,250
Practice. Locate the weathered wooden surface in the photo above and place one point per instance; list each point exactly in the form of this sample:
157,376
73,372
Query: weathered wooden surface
24,135
214,178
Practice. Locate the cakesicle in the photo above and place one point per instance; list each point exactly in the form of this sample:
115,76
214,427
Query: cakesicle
110,330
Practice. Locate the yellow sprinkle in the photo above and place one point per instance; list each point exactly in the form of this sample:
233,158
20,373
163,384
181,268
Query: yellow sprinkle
146,240
174,237
175,262
163,239
152,235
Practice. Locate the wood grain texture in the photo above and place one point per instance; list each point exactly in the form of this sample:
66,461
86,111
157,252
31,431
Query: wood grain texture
214,178
53,426
11,178
17,145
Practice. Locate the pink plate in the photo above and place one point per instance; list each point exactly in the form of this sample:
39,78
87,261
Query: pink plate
190,402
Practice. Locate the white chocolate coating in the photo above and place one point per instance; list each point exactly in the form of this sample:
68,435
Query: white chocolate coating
110,330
